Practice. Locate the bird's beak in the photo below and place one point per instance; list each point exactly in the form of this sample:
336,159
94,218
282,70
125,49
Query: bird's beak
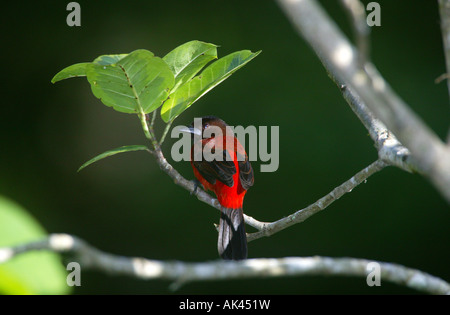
191,130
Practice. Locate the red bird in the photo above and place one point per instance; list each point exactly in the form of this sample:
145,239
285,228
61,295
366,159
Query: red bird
229,177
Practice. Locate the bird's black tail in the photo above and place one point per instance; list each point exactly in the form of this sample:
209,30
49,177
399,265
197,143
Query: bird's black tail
232,242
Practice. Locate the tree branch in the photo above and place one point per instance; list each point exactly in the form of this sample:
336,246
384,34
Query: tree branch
390,150
181,273
178,179
267,229
444,10
340,58
361,30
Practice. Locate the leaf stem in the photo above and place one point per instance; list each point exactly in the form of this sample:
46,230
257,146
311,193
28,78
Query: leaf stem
153,120
148,130
166,131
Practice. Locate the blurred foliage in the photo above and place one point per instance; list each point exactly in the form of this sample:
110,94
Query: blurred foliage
126,205
31,273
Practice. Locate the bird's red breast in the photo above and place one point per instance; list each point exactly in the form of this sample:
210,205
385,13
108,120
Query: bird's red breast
229,197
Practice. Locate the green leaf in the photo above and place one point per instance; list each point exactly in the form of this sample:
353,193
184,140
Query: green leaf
188,59
79,69
209,78
30,273
127,148
138,82
76,70
109,59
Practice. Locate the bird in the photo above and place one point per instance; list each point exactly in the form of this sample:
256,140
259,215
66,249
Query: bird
229,175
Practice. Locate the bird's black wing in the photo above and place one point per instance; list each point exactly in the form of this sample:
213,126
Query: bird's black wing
246,173
217,170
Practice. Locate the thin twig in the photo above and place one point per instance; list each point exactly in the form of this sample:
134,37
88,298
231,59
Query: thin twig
442,77
178,179
268,229
390,150
361,30
143,119
166,131
444,10
181,272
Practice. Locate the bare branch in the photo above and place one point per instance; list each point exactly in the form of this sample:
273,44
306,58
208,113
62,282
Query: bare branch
442,77
444,10
390,150
183,182
268,229
361,30
340,58
181,273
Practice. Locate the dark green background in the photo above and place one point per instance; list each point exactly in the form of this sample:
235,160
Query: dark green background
126,205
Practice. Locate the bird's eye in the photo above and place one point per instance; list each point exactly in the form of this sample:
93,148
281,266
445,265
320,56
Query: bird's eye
205,126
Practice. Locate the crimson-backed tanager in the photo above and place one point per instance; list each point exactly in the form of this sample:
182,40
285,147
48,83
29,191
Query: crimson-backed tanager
229,177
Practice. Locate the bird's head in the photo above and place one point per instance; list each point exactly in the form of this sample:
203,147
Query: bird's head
208,127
